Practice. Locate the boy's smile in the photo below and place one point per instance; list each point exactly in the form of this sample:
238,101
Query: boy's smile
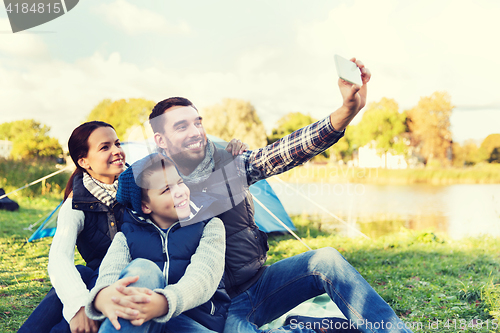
167,198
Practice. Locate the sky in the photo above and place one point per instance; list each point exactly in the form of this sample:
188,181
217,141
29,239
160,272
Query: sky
276,54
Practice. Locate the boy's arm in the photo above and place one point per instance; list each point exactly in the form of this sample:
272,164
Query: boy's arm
202,276
115,260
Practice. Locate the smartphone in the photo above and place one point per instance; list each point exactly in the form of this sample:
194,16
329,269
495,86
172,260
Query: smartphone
347,70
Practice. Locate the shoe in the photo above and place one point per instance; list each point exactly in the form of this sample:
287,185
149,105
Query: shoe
322,325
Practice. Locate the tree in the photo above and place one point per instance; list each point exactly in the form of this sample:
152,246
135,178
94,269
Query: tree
288,124
235,118
429,124
293,121
488,145
122,114
466,154
383,124
30,139
495,155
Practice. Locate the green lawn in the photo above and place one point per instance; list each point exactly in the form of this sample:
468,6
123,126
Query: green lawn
425,277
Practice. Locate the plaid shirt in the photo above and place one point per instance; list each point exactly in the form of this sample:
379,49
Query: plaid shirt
290,151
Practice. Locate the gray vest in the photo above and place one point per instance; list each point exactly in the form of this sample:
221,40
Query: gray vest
246,245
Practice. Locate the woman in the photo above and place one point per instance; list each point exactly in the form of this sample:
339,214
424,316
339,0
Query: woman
88,218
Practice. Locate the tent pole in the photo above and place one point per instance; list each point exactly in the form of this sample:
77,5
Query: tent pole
322,208
35,182
281,222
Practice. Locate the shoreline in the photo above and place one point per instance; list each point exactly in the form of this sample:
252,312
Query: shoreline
313,173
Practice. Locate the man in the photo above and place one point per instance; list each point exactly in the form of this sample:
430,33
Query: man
261,294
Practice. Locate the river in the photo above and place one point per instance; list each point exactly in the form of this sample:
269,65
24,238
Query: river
456,210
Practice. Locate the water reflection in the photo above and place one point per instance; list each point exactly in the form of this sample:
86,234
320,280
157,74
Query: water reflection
375,210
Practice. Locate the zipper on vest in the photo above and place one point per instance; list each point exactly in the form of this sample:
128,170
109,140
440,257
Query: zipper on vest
212,310
166,266
164,249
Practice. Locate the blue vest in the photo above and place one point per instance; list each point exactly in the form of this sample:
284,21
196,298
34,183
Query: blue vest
101,224
145,240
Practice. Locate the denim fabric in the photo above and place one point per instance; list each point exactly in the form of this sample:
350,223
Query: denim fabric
48,317
291,281
150,276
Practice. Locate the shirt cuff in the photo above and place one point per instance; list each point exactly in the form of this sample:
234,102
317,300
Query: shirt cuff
172,305
328,120
90,309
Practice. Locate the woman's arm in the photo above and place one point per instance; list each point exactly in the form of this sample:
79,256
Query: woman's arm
64,276
100,304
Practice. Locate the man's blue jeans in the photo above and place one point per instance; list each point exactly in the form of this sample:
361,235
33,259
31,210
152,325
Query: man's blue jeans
291,281
48,317
150,276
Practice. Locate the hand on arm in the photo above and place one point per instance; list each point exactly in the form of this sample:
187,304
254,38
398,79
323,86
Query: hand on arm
236,147
353,97
156,306
118,300
80,323
138,305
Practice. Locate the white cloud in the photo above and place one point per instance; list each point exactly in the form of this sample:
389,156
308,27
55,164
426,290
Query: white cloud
21,44
135,20
405,51
415,48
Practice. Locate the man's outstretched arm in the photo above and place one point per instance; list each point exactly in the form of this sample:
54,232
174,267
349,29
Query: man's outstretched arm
307,142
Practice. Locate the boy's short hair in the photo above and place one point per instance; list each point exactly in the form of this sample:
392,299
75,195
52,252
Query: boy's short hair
133,183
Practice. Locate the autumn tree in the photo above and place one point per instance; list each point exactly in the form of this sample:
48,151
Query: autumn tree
488,145
235,118
495,155
383,124
466,154
30,139
122,114
429,124
293,121
288,124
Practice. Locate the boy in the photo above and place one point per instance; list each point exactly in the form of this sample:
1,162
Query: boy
171,244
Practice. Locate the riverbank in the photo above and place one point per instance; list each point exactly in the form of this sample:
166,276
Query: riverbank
310,173
425,277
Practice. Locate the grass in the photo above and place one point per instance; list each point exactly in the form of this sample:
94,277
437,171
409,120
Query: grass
425,277
479,174
17,173
23,266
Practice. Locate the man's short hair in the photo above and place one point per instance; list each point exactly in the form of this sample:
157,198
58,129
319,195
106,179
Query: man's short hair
160,108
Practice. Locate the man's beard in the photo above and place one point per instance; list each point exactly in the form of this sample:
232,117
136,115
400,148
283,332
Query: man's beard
184,158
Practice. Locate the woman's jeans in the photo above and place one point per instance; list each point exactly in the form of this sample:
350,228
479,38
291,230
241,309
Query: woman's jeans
151,277
48,316
291,281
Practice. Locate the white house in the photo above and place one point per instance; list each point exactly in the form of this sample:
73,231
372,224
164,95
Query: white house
5,148
369,158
